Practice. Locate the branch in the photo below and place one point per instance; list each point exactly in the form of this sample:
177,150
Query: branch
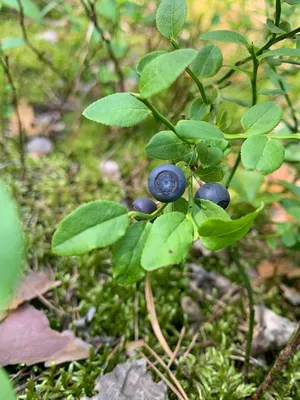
38,53
279,365
5,65
269,44
92,15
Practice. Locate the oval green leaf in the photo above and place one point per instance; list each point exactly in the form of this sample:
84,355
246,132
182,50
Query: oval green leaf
11,246
280,52
96,224
208,62
261,118
205,209
198,130
169,241
127,253
144,61
170,17
210,174
120,109
225,36
217,233
262,153
198,110
164,70
166,145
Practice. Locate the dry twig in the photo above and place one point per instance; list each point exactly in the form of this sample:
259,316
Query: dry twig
153,318
279,365
92,15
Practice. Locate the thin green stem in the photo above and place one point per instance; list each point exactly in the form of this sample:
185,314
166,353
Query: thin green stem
283,61
148,216
254,76
277,12
155,112
254,100
192,75
233,170
249,289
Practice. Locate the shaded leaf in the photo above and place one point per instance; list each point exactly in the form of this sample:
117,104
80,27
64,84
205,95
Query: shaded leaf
127,253
27,338
210,174
198,110
11,43
247,183
208,61
96,224
120,109
272,27
30,8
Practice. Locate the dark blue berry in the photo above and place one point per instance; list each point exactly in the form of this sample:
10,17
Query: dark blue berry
214,192
144,205
166,183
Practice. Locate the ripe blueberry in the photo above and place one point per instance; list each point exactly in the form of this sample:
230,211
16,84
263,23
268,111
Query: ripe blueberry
166,183
144,205
214,192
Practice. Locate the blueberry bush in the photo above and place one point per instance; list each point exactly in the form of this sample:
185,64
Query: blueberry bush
197,149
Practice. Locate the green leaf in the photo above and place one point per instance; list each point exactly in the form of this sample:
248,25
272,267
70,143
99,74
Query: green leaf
166,145
292,207
291,187
29,7
6,389
169,241
194,131
298,41
209,156
208,61
11,246
225,36
292,153
11,43
164,70
180,205
262,153
170,17
198,110
120,109
223,120
210,174
271,92
144,61
247,183
205,209
272,27
240,102
96,224
280,52
292,2
217,233
127,253
261,118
